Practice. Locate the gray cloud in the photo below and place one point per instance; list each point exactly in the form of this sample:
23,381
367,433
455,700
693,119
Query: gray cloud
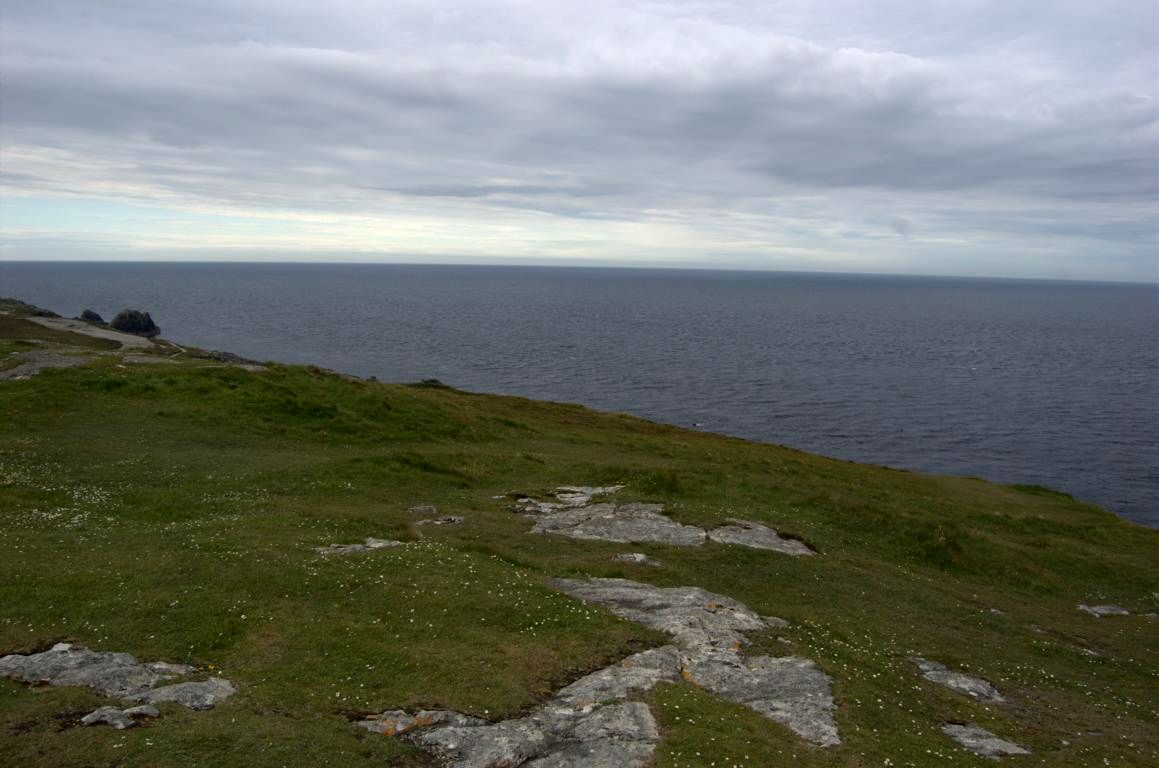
759,126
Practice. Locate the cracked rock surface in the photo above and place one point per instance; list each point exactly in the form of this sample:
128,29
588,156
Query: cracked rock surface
573,515
621,523
591,723
366,546
623,735
118,675
709,633
113,674
975,687
1099,611
757,536
981,742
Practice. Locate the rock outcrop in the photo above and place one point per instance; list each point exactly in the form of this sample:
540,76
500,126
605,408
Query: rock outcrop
117,675
366,546
1098,611
91,317
136,322
981,742
975,687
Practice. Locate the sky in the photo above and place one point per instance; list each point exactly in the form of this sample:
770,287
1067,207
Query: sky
952,137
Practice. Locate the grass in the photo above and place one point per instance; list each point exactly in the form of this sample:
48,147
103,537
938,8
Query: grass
171,512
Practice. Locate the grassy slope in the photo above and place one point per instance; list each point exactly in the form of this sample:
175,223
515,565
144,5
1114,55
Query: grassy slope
170,511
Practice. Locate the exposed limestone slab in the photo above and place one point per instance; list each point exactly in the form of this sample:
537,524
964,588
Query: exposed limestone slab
975,687
205,694
396,722
697,619
981,742
590,723
119,718
636,558
790,690
445,520
624,523
709,631
1099,611
113,674
119,675
622,735
757,536
639,672
567,496
366,546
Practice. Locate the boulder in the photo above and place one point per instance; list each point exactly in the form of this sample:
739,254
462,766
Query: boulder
135,321
91,317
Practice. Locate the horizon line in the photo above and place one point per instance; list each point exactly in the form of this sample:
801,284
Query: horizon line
540,265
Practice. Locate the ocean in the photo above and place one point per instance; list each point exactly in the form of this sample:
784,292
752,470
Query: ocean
1049,383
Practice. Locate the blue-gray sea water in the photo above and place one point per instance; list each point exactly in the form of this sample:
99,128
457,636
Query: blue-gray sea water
1050,383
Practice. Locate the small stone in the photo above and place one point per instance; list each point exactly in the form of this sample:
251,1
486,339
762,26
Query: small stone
366,546
980,741
445,520
750,534
974,687
1099,611
636,558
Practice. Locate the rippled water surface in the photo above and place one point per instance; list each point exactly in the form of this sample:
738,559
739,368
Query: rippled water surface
1014,381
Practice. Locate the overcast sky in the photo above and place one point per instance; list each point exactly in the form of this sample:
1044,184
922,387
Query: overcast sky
937,137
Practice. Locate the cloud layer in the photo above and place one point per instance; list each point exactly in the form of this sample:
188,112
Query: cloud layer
954,138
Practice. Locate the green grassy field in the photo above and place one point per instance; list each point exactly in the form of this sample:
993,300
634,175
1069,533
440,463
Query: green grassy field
171,511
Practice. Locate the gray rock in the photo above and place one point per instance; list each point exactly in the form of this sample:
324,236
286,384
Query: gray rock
1099,611
639,672
200,695
445,520
625,523
141,711
567,497
113,674
975,687
699,620
636,558
709,632
366,546
981,742
757,536
108,716
396,722
619,735
90,316
790,690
